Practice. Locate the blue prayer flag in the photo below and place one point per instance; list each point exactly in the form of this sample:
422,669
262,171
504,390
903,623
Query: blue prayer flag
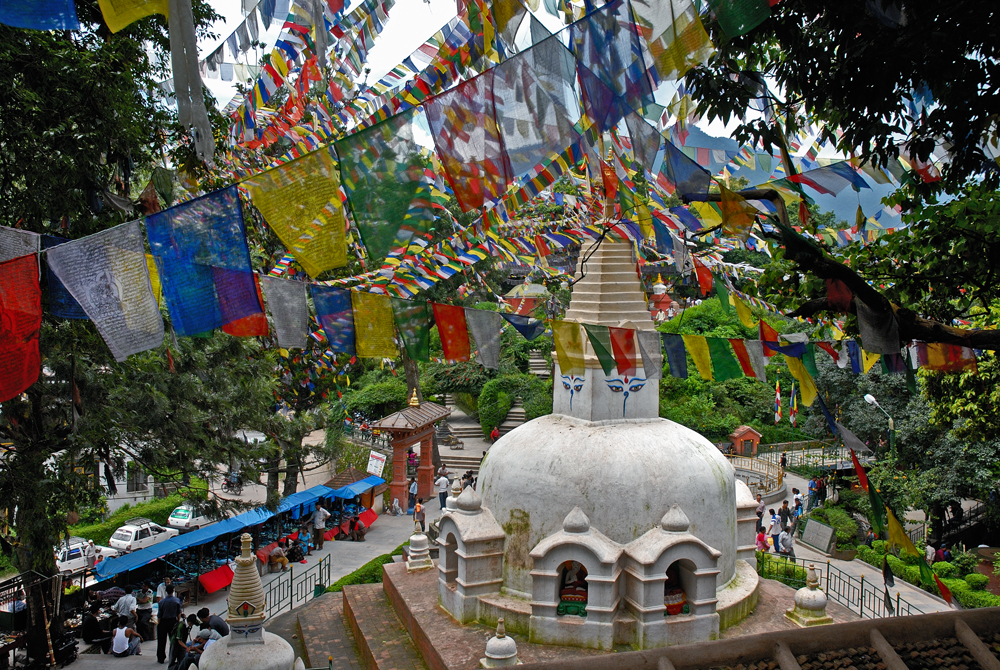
62,304
336,315
686,175
39,14
673,345
528,327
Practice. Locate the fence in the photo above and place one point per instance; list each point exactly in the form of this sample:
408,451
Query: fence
381,441
823,455
290,589
864,597
761,476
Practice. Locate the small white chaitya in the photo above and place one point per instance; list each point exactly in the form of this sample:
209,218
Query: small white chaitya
601,523
810,603
248,646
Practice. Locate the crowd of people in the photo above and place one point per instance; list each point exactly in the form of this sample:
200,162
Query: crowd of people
778,532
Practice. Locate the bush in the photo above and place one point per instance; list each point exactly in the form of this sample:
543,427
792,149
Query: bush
468,403
965,562
157,511
378,399
976,581
945,570
498,396
779,568
879,547
845,527
369,573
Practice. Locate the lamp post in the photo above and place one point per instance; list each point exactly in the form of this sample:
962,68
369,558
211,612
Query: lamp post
870,399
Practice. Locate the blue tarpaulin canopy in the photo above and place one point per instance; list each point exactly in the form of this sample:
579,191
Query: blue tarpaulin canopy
115,566
359,487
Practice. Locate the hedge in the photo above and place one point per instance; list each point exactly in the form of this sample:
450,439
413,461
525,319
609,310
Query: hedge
779,568
976,581
157,511
968,592
845,527
498,396
369,573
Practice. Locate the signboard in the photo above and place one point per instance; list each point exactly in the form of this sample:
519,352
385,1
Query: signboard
819,535
376,463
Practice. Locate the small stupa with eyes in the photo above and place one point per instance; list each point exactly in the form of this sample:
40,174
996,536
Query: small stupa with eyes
602,523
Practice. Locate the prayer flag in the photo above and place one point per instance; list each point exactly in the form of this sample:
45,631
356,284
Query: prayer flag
724,364
413,321
623,348
335,314
20,321
453,330
887,577
949,357
755,350
106,273
869,360
600,341
806,385
722,293
373,331
898,536
685,174
287,303
878,519
737,215
838,296
120,13
61,303
485,327
793,406
830,421
860,471
886,599
946,593
300,200
777,402
651,352
674,35
154,277
704,276
743,356
254,325
39,14
673,345
879,330
15,243
768,334
201,252
743,311
697,346
568,339
737,17
809,360
528,327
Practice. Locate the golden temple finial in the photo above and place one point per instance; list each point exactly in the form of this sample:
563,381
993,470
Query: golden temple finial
414,402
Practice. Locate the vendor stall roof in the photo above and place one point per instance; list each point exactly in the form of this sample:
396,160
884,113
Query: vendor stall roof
357,488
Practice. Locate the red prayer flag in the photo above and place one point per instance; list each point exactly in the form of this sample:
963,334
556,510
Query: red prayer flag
768,334
453,330
946,593
828,348
20,319
623,349
949,357
542,247
838,295
862,477
704,276
610,181
254,325
740,349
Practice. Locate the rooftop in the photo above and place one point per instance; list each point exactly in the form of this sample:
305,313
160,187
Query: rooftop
413,417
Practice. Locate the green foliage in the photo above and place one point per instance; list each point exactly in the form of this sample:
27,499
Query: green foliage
157,510
369,573
498,396
976,581
378,399
945,569
468,403
845,527
965,562
771,566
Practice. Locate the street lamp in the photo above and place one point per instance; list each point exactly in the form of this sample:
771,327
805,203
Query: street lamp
870,399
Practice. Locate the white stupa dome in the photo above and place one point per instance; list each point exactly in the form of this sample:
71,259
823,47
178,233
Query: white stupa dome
624,475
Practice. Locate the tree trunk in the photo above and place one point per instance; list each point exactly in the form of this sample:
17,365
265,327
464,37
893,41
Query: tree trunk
291,475
412,373
273,468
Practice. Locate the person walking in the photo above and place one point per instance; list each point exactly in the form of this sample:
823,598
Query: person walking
812,494
90,553
144,611
774,529
930,553
125,641
442,484
784,460
418,513
413,493
762,541
821,491
168,612
787,543
494,434
761,507
319,517
785,512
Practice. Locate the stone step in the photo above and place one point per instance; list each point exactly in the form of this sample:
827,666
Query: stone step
383,642
459,464
319,633
466,432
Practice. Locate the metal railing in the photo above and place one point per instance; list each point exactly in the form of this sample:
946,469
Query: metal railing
290,589
824,456
867,598
760,475
380,440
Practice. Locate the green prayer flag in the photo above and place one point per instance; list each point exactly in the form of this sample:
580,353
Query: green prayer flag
737,17
724,363
722,292
413,320
809,360
878,519
926,574
600,340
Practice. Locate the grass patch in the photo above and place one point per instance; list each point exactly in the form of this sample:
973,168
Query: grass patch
369,573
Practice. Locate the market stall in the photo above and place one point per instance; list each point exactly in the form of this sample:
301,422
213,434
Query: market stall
349,502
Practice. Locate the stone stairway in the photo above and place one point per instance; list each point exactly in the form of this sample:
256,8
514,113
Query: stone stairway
382,640
537,365
515,417
459,464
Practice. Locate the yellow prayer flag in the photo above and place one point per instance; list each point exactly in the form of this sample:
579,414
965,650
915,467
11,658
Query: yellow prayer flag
645,221
737,214
373,325
568,338
869,360
807,388
120,13
709,215
154,277
697,346
897,536
838,334
743,311
300,200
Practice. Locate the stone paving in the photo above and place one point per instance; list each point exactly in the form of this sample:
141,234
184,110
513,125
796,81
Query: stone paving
379,633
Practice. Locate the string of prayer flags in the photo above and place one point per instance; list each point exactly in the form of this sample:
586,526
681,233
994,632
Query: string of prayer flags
40,14
485,325
697,346
201,252
107,274
20,321
673,347
373,331
600,342
336,316
879,330
300,200
289,308
568,339
652,354
413,320
674,35
254,325
454,331
61,303
623,349
528,327
15,243
724,364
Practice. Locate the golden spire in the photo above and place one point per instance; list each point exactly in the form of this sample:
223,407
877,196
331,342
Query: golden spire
414,402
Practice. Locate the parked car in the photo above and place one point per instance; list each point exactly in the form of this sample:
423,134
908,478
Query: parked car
70,557
139,533
186,517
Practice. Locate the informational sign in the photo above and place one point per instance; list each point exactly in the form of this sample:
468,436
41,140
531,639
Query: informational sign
818,535
376,463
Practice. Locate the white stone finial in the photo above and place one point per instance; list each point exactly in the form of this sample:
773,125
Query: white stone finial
810,603
246,598
420,551
675,520
469,502
576,521
451,502
501,650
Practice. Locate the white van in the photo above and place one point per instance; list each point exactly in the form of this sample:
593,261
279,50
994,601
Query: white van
186,517
70,558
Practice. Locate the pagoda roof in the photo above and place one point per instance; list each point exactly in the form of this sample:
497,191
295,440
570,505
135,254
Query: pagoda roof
413,417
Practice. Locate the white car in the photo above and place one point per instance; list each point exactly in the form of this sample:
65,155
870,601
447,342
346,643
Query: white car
140,533
186,517
70,557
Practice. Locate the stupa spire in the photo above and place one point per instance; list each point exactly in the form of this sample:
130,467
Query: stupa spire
246,598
